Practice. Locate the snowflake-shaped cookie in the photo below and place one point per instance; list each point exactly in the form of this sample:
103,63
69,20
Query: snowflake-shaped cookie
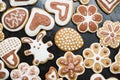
38,48
87,18
97,57
25,72
109,34
70,66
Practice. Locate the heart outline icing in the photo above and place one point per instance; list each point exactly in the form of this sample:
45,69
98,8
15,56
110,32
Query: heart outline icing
22,2
62,9
108,6
39,19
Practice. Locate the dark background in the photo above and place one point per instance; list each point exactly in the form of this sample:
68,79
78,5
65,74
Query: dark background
89,38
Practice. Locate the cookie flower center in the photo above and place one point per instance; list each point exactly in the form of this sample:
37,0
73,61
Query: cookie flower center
71,66
112,34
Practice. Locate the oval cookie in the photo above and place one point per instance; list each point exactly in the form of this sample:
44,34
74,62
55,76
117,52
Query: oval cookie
67,39
14,19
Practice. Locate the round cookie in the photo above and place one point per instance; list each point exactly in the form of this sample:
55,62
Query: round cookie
67,39
1,33
3,6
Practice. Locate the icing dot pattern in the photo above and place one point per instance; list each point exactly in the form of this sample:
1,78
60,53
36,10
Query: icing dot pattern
67,39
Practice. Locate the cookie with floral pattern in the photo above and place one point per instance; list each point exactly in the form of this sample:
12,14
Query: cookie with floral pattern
109,34
70,66
87,18
97,57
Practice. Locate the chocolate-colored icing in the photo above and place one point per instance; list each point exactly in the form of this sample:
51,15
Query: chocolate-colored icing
98,78
0,66
54,6
15,59
15,18
2,75
39,19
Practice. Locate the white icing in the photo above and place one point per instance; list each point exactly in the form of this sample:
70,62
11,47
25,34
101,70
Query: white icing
22,3
50,76
34,32
15,9
10,59
3,69
63,8
109,5
56,12
39,49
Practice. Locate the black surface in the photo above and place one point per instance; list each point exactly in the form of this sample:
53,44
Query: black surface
88,39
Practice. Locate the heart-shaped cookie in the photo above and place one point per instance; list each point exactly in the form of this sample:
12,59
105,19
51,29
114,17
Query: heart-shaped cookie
39,19
8,51
63,10
22,2
108,5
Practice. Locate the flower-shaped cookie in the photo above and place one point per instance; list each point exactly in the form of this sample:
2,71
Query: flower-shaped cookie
101,77
1,33
115,67
87,18
52,74
4,74
25,72
97,57
70,66
109,34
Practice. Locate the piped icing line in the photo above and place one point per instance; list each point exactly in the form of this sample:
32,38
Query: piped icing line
39,19
14,19
83,1
63,10
22,2
108,6
115,67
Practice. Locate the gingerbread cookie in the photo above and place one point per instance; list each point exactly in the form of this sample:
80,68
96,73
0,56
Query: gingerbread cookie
4,74
52,74
22,2
8,51
63,10
38,49
3,6
109,34
115,67
1,33
67,39
108,5
87,18
97,57
39,19
25,72
83,1
70,66
101,77
14,19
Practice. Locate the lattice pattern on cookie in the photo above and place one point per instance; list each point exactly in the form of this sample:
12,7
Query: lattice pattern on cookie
8,45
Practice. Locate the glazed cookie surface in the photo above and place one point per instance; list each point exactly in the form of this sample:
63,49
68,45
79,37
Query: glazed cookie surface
109,34
25,72
52,74
39,19
8,51
67,39
115,67
101,77
108,5
4,74
22,2
14,19
97,57
38,49
87,18
63,10
70,66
